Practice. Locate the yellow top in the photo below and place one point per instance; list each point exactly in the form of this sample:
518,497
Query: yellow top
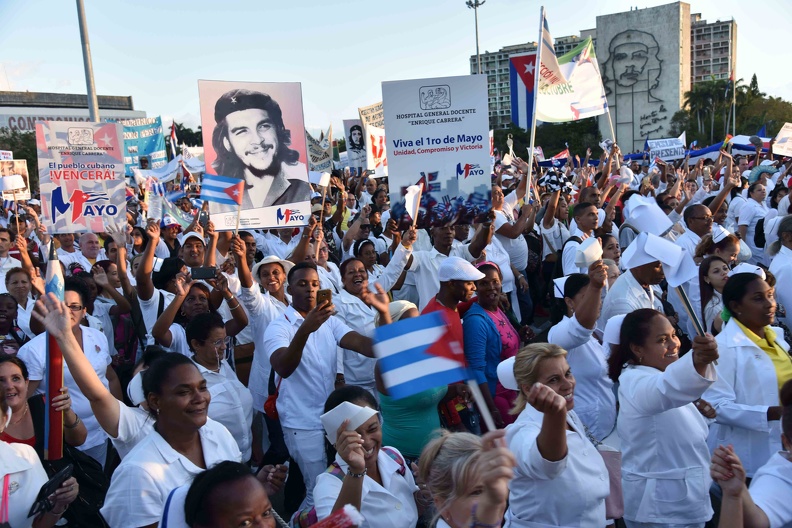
781,360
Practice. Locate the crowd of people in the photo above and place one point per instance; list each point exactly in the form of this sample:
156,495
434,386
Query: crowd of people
229,379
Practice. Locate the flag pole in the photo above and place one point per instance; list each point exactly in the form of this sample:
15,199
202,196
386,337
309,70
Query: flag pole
610,124
321,219
418,203
537,69
239,213
53,422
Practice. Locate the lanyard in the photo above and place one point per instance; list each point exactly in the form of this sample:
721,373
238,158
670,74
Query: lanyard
4,506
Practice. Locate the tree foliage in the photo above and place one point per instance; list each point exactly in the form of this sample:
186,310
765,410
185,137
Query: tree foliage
552,137
707,111
23,144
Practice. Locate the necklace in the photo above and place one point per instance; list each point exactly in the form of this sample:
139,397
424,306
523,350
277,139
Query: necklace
21,417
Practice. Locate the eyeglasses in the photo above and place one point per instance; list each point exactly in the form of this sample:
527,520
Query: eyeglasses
75,307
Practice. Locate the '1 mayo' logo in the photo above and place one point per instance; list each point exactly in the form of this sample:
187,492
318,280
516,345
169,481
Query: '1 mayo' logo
468,169
82,204
284,216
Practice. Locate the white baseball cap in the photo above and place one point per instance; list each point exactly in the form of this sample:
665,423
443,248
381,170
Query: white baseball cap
455,268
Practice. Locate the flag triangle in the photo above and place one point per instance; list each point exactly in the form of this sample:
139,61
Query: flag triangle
235,191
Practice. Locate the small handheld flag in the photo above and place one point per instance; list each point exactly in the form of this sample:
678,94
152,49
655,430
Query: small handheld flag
222,189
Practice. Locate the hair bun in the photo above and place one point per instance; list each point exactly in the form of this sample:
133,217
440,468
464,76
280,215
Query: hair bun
786,394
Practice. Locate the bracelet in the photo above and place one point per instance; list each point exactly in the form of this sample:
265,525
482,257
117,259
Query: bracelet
58,514
75,424
475,523
357,475
235,307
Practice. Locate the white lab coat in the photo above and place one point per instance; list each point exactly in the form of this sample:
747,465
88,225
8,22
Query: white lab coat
595,402
771,488
569,492
626,296
747,385
781,268
665,460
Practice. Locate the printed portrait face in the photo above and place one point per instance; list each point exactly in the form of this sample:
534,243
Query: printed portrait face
252,137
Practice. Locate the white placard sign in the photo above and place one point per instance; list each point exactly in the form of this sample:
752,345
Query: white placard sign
437,134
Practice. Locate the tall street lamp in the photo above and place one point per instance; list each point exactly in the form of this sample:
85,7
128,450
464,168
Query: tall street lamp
474,5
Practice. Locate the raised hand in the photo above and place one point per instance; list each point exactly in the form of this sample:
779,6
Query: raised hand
598,274
273,477
409,238
153,231
53,314
349,445
705,350
496,466
546,400
727,471
100,277
317,316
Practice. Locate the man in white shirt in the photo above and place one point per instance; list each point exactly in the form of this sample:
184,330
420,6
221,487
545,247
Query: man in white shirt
90,251
280,242
7,262
586,219
698,220
302,347
424,264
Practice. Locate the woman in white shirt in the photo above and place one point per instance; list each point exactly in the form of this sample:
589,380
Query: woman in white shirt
183,443
766,503
781,265
713,273
579,296
554,232
754,210
21,478
232,404
560,479
191,299
663,435
468,478
372,478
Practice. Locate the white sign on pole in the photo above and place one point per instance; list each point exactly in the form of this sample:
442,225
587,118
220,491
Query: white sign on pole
783,141
438,135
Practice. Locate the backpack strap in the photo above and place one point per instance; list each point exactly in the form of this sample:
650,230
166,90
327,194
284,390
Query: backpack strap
398,458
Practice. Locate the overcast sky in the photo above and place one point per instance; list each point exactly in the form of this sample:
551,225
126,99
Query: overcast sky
156,50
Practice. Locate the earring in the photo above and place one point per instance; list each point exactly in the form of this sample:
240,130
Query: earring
640,360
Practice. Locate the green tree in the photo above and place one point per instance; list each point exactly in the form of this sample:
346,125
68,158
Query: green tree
23,144
185,136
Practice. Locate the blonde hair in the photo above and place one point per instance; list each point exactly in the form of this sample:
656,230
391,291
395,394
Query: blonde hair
526,368
447,466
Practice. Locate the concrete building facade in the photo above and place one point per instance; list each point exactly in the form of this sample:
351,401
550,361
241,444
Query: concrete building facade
19,111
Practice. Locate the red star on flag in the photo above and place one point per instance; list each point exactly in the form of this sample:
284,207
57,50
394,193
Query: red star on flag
525,65
235,192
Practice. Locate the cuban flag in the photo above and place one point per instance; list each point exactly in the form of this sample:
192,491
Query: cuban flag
173,140
522,68
222,189
419,353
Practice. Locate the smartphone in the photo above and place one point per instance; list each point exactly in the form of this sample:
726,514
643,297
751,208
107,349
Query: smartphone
42,503
324,295
203,273
203,219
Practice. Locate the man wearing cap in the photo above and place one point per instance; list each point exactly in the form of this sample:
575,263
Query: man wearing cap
302,348
168,246
252,143
424,265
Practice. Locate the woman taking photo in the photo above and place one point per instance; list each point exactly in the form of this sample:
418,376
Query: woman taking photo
22,469
183,443
193,298
232,404
468,478
664,475
754,364
490,338
579,296
372,478
713,273
560,478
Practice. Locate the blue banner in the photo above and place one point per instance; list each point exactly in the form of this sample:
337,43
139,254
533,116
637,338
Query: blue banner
143,139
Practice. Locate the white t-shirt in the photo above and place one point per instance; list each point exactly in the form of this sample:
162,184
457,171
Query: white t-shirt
26,476
302,395
149,310
771,487
553,238
134,424
94,345
141,484
516,247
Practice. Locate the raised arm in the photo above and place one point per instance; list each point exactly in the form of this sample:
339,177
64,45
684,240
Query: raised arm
161,330
54,315
285,360
551,441
145,286
482,238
